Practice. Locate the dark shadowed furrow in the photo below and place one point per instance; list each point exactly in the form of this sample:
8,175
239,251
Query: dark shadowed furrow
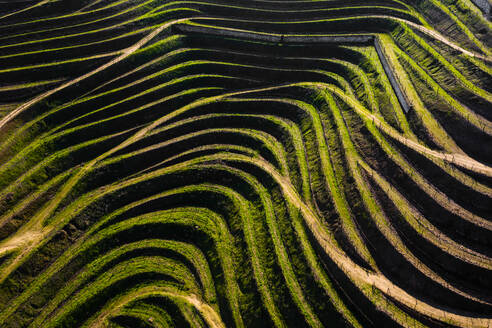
245,164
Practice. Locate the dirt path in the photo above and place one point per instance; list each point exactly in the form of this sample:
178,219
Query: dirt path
35,226
87,6
18,240
355,272
438,37
33,234
125,54
128,51
421,28
212,318
25,9
458,159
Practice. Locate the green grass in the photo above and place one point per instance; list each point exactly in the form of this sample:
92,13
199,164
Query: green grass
215,178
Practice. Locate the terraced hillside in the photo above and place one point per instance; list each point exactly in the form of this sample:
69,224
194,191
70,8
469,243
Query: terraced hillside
212,163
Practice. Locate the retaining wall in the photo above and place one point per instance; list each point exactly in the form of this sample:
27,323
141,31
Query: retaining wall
279,38
402,99
192,29
276,38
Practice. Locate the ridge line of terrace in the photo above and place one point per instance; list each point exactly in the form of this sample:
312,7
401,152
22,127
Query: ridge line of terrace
359,39
274,37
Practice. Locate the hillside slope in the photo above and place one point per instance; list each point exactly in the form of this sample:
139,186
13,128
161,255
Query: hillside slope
245,163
